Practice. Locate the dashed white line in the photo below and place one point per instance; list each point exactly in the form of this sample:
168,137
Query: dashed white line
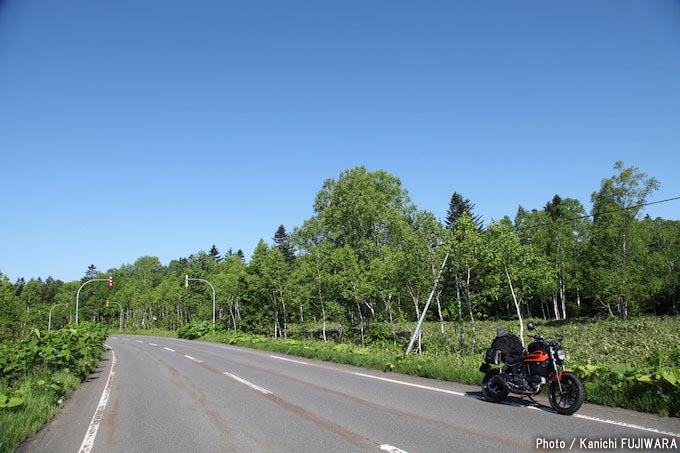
88,441
153,344
168,349
193,359
249,384
391,449
290,360
139,341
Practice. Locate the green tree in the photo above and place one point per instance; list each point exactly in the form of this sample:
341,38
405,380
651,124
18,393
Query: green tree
468,252
91,272
215,254
363,210
616,251
459,206
283,243
525,271
230,283
10,309
268,277
558,231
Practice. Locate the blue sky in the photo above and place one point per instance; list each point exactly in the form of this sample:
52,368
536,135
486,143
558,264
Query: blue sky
159,128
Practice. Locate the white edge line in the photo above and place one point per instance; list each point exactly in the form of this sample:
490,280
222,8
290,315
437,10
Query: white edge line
249,384
425,387
585,417
291,360
168,349
88,441
391,449
626,425
193,359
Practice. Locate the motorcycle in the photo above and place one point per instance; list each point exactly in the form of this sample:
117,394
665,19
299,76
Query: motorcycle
527,374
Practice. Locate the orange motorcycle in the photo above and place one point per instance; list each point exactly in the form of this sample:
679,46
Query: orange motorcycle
508,368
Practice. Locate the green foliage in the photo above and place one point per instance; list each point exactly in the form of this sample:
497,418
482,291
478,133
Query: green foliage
12,399
38,371
625,385
76,348
197,329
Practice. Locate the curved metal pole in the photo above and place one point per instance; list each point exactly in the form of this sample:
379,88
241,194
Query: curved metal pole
213,290
81,287
49,318
121,314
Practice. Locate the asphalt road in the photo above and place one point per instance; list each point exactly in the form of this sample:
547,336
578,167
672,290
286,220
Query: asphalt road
154,394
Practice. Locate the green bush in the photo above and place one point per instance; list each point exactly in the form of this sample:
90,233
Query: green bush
624,385
74,348
197,329
38,372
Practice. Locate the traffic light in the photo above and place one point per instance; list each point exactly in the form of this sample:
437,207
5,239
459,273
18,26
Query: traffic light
186,281
110,281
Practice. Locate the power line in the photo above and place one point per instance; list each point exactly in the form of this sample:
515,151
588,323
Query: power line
602,212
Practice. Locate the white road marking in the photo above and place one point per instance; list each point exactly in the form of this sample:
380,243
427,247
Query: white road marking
425,387
88,441
626,425
249,384
291,360
168,349
391,449
139,341
585,417
153,344
191,358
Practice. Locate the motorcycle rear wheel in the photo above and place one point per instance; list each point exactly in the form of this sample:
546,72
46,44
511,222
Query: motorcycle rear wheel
571,398
492,389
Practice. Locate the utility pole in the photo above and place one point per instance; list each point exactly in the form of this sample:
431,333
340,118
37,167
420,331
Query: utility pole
429,299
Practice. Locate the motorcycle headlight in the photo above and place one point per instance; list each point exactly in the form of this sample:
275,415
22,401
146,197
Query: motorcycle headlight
561,355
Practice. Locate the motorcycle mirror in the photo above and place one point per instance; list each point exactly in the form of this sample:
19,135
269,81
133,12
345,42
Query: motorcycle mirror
531,326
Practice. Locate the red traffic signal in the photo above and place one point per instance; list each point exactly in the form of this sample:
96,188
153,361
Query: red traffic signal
110,281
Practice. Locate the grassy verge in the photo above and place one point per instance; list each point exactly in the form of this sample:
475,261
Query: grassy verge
633,364
41,396
38,372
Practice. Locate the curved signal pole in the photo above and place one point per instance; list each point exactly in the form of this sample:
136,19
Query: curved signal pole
81,287
186,285
121,313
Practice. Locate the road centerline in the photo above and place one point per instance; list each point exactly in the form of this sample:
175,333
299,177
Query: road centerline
247,383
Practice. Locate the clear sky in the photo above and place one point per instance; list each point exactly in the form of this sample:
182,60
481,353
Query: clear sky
132,128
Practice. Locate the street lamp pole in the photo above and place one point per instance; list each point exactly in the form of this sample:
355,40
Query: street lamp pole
186,285
49,318
81,287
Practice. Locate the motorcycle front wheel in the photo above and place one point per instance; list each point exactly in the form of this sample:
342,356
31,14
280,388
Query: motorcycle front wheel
492,389
570,399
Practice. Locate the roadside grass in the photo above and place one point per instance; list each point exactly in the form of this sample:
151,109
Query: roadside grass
42,396
633,364
38,372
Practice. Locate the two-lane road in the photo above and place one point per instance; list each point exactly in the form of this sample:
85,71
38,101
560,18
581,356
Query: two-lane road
165,395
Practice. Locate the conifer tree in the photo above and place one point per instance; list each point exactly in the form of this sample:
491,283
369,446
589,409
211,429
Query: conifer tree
215,254
282,241
457,206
